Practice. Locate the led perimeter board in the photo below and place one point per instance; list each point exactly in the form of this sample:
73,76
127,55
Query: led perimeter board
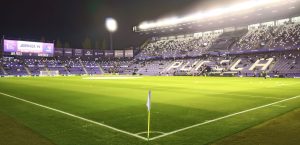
27,48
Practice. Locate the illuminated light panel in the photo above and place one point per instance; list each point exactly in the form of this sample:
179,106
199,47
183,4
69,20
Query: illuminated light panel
203,15
111,24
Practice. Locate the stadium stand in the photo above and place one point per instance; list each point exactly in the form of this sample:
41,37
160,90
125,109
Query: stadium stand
256,38
115,66
288,36
258,50
178,47
227,39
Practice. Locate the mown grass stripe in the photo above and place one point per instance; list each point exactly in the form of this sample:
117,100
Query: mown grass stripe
75,116
224,117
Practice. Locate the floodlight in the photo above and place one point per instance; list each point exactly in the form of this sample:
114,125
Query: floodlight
111,25
250,4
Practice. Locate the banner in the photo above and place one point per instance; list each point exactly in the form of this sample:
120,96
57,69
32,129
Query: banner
128,53
59,52
68,52
78,52
88,52
109,53
119,53
98,53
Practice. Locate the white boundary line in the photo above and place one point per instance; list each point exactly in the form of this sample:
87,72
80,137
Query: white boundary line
150,132
224,117
280,106
75,116
111,78
157,137
249,96
254,96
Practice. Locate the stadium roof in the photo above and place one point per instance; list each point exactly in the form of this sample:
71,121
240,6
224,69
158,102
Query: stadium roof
244,15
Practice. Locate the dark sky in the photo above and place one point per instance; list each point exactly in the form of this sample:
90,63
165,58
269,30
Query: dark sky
74,20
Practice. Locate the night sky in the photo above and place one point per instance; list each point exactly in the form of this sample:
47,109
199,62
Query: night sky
74,20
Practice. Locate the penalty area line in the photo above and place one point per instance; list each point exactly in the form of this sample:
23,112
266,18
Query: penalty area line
75,116
224,117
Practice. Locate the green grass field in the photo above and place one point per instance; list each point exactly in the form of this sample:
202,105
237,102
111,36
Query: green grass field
185,110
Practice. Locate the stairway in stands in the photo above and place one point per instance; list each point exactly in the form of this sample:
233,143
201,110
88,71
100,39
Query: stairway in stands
83,67
100,68
67,70
27,70
3,70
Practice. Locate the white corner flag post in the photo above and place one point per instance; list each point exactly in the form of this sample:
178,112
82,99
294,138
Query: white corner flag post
149,108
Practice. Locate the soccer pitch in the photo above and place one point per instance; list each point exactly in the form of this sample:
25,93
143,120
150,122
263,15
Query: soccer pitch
185,110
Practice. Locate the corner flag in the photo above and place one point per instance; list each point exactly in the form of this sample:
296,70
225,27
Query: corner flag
149,101
148,104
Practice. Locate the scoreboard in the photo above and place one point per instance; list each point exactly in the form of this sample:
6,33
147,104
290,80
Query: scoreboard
27,48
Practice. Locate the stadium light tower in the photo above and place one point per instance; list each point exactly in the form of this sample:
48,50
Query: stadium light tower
111,26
